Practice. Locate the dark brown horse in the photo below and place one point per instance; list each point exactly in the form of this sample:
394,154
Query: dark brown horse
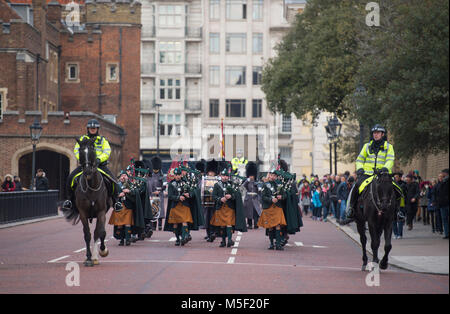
91,201
377,206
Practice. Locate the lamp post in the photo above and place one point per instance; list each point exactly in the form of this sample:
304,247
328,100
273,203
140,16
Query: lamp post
157,130
333,129
35,133
360,92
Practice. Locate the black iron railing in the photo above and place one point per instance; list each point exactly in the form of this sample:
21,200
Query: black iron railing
18,206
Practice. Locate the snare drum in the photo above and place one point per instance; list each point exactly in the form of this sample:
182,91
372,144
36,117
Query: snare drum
208,187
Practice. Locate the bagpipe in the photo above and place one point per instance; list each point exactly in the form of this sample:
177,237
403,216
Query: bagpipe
234,184
191,181
285,181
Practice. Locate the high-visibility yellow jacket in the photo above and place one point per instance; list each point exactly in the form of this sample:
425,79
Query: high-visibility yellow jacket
368,161
102,148
235,162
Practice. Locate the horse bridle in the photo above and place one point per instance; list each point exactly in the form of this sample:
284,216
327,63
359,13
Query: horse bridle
377,202
87,184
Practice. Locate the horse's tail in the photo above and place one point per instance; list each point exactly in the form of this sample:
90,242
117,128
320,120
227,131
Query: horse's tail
71,214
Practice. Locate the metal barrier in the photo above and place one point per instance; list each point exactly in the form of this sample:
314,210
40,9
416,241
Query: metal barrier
18,206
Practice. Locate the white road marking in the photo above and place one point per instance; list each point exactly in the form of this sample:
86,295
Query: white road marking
236,244
58,259
239,233
80,250
231,260
299,243
173,239
319,247
233,251
238,238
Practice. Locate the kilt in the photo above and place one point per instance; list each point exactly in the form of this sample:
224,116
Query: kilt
180,214
272,217
121,218
225,216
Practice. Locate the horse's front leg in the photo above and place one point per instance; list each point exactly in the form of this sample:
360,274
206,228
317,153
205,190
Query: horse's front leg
374,242
387,244
87,239
361,225
100,232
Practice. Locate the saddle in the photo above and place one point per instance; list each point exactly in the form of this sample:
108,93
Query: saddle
107,179
369,180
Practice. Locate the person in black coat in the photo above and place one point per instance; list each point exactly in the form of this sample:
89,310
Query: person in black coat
412,192
442,199
41,181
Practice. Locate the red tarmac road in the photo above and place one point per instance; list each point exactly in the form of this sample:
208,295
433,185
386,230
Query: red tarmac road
319,259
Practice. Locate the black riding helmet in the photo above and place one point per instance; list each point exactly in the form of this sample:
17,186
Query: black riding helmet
93,123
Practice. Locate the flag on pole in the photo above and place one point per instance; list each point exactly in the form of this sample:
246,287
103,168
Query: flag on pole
222,143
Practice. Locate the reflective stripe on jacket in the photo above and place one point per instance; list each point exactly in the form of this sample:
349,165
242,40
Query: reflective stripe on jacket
384,159
102,148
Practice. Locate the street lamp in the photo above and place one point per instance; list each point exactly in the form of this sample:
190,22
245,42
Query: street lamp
333,129
157,130
35,133
360,92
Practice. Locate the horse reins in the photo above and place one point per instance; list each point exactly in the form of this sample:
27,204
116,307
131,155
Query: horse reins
87,184
377,202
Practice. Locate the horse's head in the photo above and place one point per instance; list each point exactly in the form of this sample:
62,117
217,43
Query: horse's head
385,191
88,156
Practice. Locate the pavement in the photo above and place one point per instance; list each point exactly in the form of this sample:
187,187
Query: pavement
419,250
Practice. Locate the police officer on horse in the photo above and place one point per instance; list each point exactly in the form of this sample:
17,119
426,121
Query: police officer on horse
377,154
103,151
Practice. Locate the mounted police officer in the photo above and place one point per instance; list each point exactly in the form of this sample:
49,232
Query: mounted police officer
103,151
377,154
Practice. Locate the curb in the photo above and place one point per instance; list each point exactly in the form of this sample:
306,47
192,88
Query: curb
392,260
26,222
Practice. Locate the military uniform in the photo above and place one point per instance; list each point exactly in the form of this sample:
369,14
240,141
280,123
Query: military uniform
227,216
252,204
156,184
182,215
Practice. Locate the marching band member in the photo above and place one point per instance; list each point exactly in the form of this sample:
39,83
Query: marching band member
208,204
123,219
228,212
272,216
183,210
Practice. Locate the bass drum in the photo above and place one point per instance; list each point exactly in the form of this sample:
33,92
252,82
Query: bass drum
208,187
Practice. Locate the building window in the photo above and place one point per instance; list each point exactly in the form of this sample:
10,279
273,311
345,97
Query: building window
258,9
2,103
236,9
170,15
214,43
235,75
257,75
214,9
169,89
72,72
257,108
169,124
236,43
286,154
214,108
286,124
6,28
112,73
170,52
235,108
214,75
257,43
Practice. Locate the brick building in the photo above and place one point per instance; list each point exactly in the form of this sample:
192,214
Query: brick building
64,75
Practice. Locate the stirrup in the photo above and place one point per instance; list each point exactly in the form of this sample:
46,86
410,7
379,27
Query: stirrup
67,204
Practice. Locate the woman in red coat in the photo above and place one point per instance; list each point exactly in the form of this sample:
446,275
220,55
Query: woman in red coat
8,185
